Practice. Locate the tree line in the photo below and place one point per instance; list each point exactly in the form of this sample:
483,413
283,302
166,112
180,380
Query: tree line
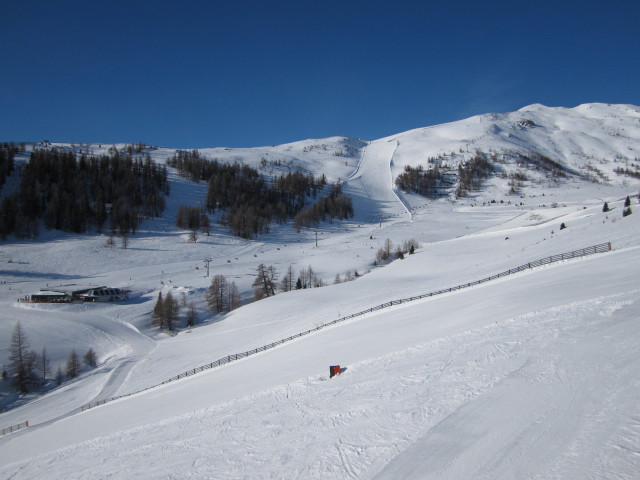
193,219
77,194
334,205
627,172
471,174
435,181
387,252
223,295
428,183
8,152
249,203
166,313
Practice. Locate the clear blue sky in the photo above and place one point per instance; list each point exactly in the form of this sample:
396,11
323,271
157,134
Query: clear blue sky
243,73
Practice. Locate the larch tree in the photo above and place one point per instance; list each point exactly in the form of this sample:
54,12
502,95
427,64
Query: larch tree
234,296
73,365
288,282
265,283
157,317
217,294
308,278
43,364
90,358
19,354
170,310
192,316
59,376
388,246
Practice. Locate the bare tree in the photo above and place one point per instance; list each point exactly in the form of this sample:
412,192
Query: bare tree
288,282
170,309
265,283
217,294
43,364
309,279
234,297
388,246
90,358
192,316
157,317
59,375
19,358
73,365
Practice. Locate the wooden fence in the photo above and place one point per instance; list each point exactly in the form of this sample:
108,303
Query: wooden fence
13,428
601,248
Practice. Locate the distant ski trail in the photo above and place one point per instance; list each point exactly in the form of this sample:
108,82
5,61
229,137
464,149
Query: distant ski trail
372,187
393,187
357,169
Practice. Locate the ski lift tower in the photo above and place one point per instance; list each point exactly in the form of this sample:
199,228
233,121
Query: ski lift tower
207,261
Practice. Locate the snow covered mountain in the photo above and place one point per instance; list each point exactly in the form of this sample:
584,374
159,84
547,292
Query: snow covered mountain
530,375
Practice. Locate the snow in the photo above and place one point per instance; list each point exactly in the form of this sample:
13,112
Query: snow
533,375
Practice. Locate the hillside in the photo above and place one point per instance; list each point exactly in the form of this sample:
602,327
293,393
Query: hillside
532,375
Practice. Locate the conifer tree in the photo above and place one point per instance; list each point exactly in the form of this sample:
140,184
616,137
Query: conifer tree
388,245
157,317
265,283
288,283
19,354
73,365
217,294
192,316
43,364
59,376
170,309
90,358
234,296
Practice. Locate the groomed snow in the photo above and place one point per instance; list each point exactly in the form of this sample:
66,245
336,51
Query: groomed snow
530,376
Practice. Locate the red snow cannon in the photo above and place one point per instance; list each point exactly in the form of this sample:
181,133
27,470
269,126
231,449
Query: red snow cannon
334,370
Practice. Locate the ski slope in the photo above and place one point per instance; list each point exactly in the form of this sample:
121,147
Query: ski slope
371,186
530,376
431,390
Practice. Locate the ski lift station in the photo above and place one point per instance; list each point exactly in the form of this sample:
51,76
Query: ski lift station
73,293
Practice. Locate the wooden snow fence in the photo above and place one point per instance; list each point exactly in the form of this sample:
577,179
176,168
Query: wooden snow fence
600,248
13,428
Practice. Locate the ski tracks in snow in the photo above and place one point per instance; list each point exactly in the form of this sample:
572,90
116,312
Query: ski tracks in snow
556,384
555,400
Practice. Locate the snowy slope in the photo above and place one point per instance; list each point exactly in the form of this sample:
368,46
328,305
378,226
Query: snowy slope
533,375
594,134
488,382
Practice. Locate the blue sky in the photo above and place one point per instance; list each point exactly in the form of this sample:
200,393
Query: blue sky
249,73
